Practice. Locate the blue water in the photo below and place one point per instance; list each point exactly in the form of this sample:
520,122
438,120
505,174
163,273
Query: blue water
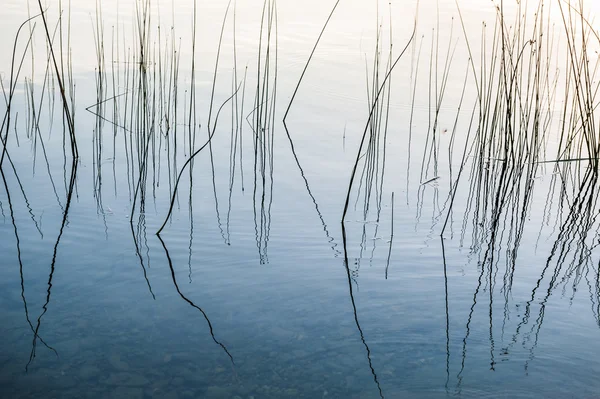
222,306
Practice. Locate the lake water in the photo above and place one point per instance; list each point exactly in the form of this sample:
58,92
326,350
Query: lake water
466,264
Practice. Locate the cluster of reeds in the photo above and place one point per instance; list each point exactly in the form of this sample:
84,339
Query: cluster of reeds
263,126
155,122
371,156
57,87
536,116
371,153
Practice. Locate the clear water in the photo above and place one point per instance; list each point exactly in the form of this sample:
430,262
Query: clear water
222,306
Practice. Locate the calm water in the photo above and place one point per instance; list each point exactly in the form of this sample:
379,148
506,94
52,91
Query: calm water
251,290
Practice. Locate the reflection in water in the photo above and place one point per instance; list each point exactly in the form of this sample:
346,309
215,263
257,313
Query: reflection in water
571,242
287,131
36,223
446,302
360,330
570,260
375,103
99,110
192,303
47,94
263,127
370,184
387,264
5,127
210,110
20,261
504,160
191,243
139,234
174,195
506,163
53,264
236,144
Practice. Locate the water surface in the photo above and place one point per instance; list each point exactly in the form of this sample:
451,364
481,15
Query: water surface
254,288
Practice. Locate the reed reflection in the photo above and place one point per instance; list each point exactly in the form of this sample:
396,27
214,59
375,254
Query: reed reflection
46,97
508,159
504,161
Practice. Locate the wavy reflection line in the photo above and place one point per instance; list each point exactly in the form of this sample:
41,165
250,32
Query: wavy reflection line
468,331
54,254
191,242
573,233
330,239
237,111
20,260
263,128
347,201
4,140
210,326
20,184
141,231
210,111
387,266
293,149
447,314
595,295
360,330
